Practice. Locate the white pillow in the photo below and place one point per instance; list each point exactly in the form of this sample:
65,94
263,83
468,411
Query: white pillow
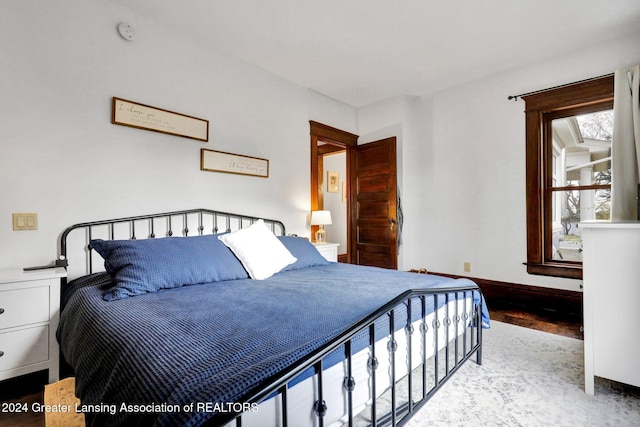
259,250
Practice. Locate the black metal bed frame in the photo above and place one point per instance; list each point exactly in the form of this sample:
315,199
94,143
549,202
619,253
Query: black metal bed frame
172,223
470,339
428,376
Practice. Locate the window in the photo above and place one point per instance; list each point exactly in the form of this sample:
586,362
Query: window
568,133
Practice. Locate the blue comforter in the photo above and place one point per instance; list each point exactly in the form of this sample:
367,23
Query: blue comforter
215,342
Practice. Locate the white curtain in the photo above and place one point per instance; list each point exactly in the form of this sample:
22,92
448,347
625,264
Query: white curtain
625,145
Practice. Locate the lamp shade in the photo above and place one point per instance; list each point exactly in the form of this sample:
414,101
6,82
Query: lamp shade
320,217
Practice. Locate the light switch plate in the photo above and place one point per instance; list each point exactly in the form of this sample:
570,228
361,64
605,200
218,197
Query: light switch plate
25,221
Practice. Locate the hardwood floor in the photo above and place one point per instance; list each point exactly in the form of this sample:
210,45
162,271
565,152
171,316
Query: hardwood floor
30,388
27,389
551,322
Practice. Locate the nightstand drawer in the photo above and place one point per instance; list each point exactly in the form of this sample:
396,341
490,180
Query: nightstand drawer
24,306
24,347
29,317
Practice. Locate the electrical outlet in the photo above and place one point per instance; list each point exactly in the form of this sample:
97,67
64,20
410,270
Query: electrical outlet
467,267
25,221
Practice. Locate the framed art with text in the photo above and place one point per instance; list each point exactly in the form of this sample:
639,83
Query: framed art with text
219,161
136,115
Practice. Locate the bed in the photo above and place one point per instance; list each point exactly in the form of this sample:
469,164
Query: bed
226,320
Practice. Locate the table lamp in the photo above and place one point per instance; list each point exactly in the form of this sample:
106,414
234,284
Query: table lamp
321,218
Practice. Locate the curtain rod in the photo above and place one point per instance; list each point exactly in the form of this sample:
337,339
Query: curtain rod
515,97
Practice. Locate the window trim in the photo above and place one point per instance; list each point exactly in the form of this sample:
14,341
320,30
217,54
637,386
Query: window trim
539,106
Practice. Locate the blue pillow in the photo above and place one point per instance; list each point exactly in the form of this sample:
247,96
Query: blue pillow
137,267
304,251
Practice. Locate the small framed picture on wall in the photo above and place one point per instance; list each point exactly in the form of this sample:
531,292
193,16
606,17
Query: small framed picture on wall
333,181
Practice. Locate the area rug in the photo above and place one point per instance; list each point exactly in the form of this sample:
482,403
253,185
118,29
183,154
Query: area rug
528,378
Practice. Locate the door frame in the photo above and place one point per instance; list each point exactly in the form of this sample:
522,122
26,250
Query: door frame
336,140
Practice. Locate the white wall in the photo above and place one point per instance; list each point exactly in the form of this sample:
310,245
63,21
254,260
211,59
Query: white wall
464,165
62,62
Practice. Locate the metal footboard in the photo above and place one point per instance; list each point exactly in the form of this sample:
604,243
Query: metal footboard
420,351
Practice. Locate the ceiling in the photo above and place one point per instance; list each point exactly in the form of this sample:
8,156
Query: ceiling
363,51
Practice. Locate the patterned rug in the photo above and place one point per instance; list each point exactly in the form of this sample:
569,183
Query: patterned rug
528,378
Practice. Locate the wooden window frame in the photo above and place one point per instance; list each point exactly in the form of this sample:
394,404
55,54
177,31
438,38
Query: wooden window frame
589,95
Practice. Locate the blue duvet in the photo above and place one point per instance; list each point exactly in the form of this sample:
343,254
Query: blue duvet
211,343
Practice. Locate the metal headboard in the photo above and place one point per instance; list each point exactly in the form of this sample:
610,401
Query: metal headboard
77,256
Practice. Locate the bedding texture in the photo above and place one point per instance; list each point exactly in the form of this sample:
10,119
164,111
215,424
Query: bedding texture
214,343
142,266
137,267
305,253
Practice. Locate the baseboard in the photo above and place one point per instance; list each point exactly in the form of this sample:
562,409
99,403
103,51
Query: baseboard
526,297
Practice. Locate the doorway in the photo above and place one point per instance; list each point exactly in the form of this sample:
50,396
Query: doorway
368,192
331,150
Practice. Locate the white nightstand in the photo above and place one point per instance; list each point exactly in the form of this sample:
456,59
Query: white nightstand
328,250
29,315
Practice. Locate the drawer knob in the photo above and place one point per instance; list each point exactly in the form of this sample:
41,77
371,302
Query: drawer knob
1,353
1,310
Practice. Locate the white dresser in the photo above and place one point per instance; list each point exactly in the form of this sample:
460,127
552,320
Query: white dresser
611,275
328,250
29,314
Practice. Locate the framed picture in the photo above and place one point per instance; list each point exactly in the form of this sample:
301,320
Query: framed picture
333,181
135,115
219,161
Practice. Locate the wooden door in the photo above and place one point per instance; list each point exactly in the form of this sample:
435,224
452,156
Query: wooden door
373,204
